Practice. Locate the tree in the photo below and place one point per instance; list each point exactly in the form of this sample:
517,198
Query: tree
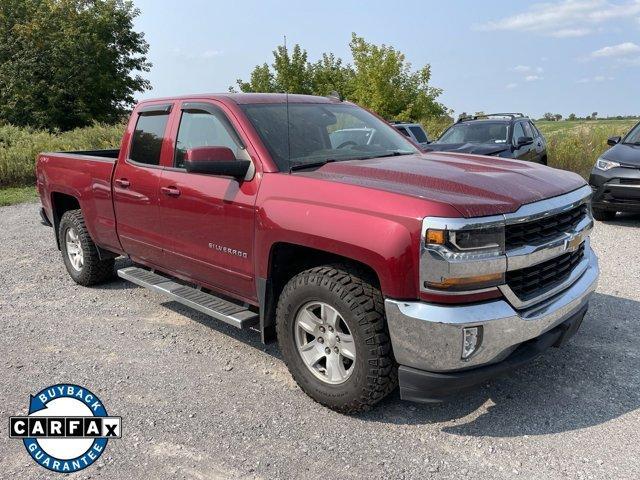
549,116
594,116
262,80
67,63
380,79
330,75
557,117
291,73
385,83
572,116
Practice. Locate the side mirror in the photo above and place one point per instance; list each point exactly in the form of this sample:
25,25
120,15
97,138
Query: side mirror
522,141
613,141
215,161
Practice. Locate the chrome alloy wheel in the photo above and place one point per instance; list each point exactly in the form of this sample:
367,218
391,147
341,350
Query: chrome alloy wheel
324,342
74,249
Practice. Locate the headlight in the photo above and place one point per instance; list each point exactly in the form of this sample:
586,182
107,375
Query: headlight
463,260
604,165
468,242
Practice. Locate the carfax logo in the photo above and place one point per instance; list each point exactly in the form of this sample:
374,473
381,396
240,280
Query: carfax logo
67,428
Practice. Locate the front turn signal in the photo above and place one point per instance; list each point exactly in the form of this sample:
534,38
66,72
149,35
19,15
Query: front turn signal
468,283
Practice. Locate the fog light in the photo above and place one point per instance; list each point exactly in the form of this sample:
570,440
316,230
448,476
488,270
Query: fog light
471,340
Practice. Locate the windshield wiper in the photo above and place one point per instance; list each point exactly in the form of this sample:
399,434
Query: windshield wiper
631,143
302,166
305,165
395,153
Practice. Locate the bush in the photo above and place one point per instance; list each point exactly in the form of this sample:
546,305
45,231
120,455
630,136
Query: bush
19,147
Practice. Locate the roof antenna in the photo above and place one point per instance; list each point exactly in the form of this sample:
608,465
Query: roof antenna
286,96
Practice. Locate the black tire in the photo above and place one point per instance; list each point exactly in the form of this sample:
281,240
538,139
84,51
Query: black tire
543,160
361,306
93,270
603,215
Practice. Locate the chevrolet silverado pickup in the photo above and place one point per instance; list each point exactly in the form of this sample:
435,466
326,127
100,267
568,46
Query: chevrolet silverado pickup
371,263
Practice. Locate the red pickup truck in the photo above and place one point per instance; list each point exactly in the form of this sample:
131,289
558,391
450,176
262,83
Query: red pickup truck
371,263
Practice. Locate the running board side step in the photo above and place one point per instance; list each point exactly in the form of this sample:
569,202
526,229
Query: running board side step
215,307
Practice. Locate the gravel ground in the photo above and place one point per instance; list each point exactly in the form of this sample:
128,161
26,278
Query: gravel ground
201,400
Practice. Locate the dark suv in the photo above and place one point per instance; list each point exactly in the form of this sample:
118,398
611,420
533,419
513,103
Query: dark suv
507,135
615,177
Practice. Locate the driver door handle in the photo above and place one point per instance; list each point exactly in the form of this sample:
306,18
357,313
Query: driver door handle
122,182
170,191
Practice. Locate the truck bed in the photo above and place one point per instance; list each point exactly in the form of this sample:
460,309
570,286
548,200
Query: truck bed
85,176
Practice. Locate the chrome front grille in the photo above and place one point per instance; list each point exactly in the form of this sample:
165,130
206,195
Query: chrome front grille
532,282
545,229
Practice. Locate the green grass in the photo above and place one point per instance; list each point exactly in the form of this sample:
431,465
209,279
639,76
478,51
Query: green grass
13,195
575,145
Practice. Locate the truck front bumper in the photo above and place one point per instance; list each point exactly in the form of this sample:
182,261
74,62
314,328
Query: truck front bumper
427,338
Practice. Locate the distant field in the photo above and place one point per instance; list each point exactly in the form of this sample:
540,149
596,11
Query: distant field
575,145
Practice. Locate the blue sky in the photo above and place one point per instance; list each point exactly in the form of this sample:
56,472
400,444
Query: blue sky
561,56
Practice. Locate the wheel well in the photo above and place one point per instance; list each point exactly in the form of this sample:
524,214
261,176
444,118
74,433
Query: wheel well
286,261
61,203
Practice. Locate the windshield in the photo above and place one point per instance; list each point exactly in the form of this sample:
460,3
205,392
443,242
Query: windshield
484,132
323,132
634,136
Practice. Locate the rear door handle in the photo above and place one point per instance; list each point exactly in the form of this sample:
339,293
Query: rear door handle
122,182
170,191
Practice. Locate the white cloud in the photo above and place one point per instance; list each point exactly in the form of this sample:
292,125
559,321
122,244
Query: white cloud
566,18
527,69
511,86
571,32
620,50
533,78
596,79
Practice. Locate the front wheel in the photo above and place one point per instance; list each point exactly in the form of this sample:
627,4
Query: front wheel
333,337
80,254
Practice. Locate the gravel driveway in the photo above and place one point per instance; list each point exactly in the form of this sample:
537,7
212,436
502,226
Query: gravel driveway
201,400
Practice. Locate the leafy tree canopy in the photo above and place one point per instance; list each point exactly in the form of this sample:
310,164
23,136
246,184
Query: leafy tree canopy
380,79
67,63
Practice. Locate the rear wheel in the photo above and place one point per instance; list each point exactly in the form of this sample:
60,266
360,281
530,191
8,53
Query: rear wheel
80,254
603,215
333,337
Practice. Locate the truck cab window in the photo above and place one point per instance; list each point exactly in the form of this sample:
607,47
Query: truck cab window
204,129
146,143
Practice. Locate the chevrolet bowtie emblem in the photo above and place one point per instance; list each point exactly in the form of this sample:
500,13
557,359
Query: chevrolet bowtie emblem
573,242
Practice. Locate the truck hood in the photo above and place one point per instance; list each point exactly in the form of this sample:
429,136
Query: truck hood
474,185
475,148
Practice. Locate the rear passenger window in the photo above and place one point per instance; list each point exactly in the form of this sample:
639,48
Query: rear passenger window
146,143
